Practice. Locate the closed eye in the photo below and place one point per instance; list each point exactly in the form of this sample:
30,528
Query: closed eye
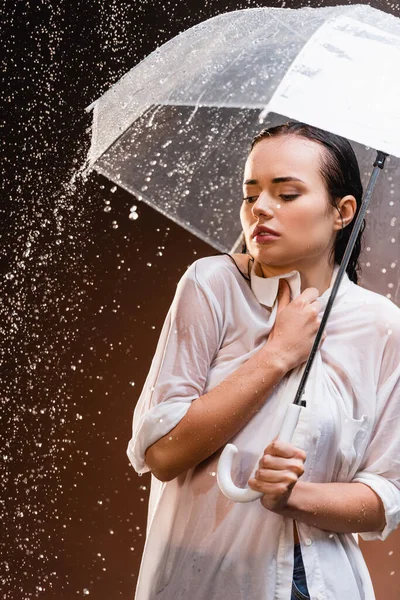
287,197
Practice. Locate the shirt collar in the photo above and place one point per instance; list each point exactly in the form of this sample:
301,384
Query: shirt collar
266,289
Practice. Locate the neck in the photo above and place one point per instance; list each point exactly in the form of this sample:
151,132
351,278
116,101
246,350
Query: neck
317,275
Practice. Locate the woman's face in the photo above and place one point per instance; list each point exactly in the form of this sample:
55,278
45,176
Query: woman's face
297,209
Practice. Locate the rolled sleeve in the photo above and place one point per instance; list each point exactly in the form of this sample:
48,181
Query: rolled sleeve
380,468
188,343
390,497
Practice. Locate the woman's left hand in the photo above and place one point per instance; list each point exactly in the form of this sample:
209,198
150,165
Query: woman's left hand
279,470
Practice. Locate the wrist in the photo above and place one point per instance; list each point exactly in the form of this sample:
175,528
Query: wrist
296,500
279,358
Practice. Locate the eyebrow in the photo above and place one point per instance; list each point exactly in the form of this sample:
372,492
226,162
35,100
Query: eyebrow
275,180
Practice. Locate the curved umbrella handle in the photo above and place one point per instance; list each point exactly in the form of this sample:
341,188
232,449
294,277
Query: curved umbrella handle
224,470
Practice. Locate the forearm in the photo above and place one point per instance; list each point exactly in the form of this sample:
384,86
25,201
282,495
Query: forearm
217,416
337,507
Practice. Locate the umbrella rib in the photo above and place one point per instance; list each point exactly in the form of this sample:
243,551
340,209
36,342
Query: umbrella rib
296,33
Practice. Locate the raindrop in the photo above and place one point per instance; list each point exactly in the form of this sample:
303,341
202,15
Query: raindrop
133,216
115,225
86,592
113,189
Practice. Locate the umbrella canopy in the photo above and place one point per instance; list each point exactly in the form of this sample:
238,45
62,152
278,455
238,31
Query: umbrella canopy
175,130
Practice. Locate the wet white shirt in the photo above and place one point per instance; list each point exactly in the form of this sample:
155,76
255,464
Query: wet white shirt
199,544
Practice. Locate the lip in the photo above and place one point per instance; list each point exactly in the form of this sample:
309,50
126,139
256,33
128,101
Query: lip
263,229
265,239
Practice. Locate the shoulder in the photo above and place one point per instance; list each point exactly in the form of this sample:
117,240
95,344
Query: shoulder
215,270
379,302
384,312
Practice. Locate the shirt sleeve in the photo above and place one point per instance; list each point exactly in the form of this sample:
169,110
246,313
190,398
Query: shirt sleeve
188,343
380,469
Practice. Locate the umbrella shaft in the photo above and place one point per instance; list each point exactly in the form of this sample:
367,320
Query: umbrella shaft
378,166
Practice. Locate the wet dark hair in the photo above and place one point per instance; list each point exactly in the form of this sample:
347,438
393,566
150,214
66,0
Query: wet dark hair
339,168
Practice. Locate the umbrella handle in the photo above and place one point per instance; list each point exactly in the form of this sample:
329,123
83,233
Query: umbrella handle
224,470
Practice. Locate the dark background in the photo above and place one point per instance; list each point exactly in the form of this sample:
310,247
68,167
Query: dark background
84,293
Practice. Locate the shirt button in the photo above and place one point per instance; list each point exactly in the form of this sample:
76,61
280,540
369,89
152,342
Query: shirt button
308,542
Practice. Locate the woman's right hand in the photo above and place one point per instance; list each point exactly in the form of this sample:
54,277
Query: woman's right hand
296,325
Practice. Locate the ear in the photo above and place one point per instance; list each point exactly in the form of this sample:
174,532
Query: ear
347,207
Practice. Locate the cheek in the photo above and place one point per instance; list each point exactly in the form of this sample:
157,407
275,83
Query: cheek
306,217
245,218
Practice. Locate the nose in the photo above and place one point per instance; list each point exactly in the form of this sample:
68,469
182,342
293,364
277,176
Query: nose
264,205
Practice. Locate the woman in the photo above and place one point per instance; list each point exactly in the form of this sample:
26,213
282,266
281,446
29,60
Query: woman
228,362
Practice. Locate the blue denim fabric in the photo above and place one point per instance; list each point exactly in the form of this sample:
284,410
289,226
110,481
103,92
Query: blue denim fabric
299,583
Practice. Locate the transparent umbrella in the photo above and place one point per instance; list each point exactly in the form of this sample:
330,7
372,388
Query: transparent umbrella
175,130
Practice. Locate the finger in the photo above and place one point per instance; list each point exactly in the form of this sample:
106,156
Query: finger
317,305
262,486
309,295
284,449
283,295
277,463
274,490
269,476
